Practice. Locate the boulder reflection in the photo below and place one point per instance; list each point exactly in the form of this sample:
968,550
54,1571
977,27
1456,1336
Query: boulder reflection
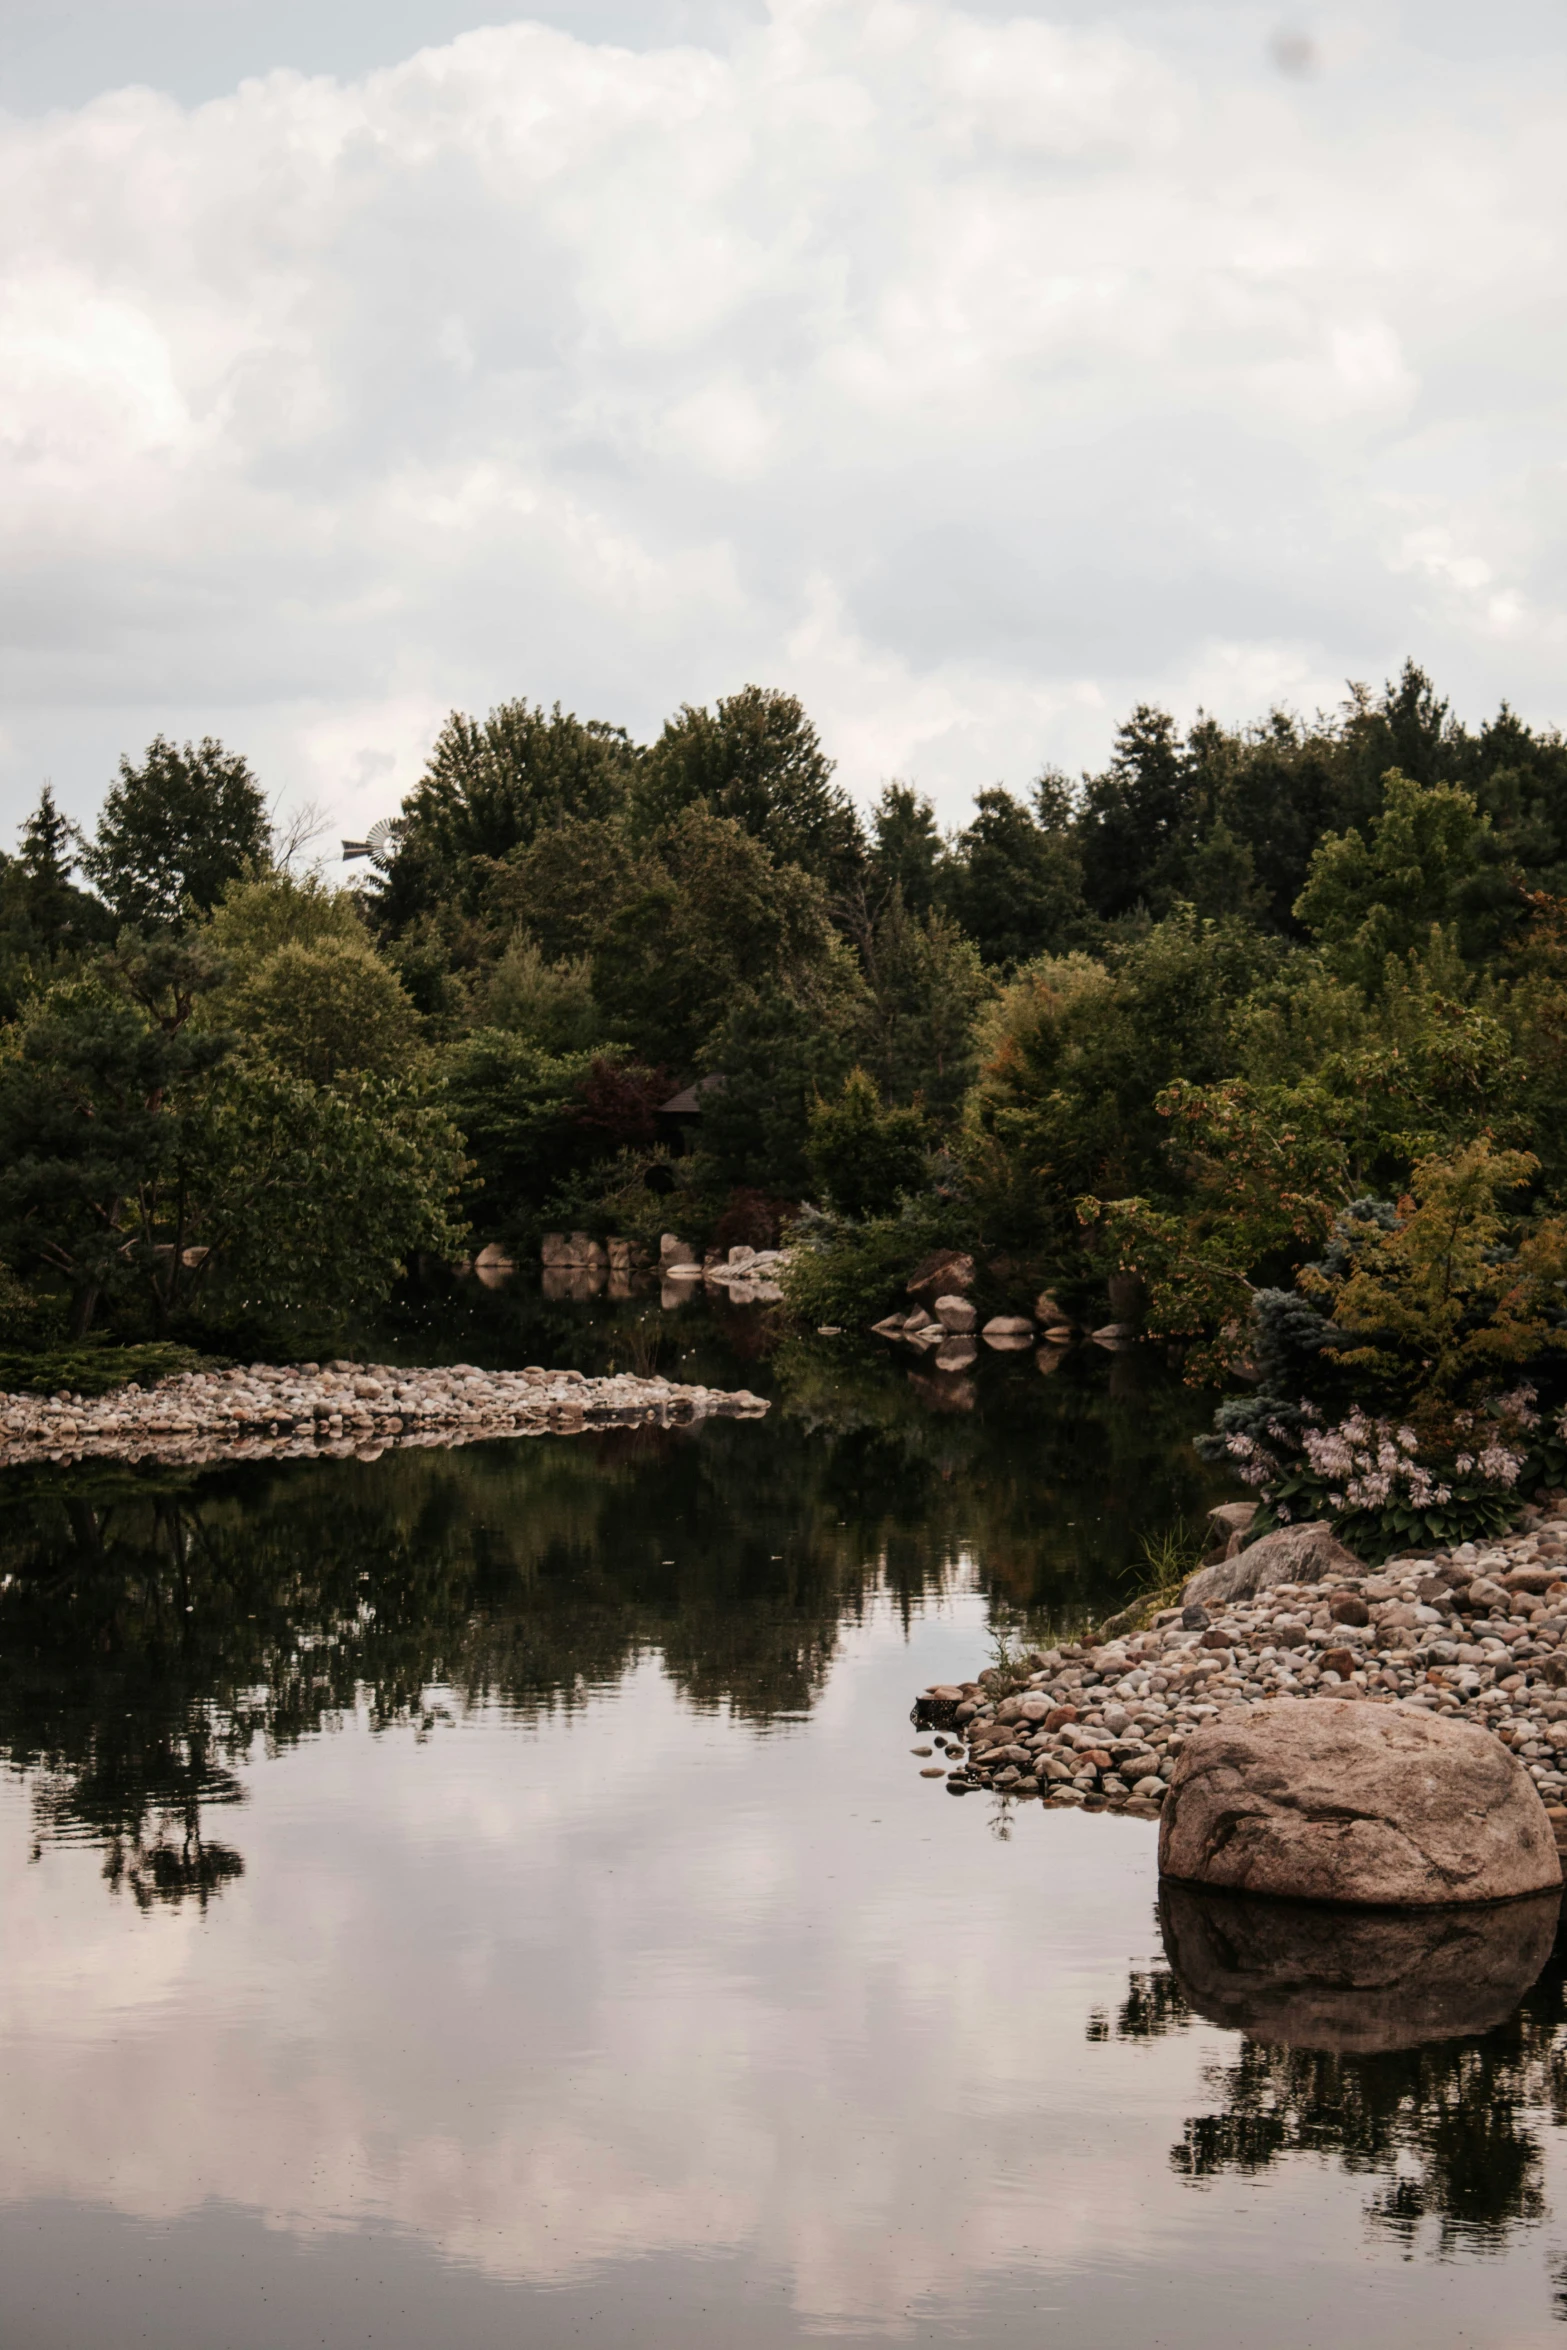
1422,2049
1354,1981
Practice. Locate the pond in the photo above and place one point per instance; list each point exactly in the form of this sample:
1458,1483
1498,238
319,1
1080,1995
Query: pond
489,1897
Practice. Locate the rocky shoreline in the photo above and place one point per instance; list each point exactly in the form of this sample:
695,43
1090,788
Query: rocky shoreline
1478,1633
305,1411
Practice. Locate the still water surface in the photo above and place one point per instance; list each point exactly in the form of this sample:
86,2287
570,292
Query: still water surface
489,1898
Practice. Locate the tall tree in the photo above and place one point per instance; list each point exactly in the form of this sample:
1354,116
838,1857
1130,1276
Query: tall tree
757,759
491,787
45,920
1372,895
1014,881
1137,819
714,916
89,1128
174,832
907,851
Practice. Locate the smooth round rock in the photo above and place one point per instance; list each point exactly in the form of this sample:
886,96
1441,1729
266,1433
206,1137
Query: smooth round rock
1303,1975
1321,1800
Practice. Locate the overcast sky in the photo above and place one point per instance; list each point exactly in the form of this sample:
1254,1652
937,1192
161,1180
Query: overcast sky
973,372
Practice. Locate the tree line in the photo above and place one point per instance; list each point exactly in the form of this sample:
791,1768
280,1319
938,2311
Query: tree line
1175,1016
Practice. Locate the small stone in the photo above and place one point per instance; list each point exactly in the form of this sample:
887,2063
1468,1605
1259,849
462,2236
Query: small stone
926,1750
935,1771
1347,1607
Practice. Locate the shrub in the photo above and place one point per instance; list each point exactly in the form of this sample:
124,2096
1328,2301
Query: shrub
861,1155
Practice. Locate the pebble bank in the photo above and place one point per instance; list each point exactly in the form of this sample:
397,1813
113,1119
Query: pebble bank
1478,1632
356,1409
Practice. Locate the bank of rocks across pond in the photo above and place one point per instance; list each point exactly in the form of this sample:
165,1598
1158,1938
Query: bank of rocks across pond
1479,1633
358,1409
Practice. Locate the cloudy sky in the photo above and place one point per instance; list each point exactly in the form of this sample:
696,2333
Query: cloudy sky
972,371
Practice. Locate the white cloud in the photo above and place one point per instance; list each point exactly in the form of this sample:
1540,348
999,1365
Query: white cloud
970,377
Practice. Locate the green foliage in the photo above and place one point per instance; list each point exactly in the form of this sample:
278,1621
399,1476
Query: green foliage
777,1046
90,1090
1262,1174
1375,897
1014,880
863,1156
1426,1311
757,760
175,832
1137,819
327,1011
517,1109
1444,1295
566,886
256,916
308,1200
146,1166
1074,1055
491,787
93,1370
852,1273
925,985
550,1005
714,920
907,854
46,923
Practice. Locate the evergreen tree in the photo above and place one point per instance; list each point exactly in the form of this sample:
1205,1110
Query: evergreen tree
1014,883
907,851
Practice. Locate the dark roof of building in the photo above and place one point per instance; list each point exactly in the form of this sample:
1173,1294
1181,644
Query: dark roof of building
689,1104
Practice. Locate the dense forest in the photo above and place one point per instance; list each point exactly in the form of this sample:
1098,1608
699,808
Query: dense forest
1275,1016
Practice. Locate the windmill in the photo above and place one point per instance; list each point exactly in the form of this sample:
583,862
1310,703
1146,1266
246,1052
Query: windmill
379,843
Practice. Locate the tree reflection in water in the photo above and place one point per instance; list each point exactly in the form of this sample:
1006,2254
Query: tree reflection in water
1451,2127
157,1629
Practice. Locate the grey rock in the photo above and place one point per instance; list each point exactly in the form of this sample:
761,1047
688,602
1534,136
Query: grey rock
944,1269
1323,1800
1310,1553
1304,1975
955,1314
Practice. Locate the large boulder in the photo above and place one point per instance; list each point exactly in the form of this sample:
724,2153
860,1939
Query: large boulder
1304,1975
944,1269
955,1314
1321,1799
1310,1553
